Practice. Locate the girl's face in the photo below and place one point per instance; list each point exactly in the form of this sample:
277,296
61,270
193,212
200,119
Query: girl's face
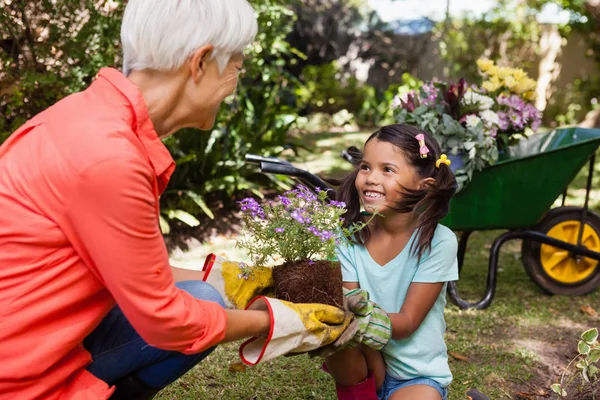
383,172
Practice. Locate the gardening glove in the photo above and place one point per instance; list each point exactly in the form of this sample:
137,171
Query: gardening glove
375,325
371,326
295,328
237,282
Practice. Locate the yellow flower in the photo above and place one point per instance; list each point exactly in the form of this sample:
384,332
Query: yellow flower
503,72
492,84
484,64
519,74
492,71
529,96
530,84
511,83
525,85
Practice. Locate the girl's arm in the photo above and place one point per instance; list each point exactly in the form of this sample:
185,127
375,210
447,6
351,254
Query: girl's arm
351,285
419,300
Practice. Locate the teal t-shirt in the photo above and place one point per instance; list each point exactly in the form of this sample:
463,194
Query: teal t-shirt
424,353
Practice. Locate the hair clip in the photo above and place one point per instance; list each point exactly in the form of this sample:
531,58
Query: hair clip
423,150
443,160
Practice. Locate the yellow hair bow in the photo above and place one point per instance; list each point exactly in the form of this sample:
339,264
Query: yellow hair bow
443,160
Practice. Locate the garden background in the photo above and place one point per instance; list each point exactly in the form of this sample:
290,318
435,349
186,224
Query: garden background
320,76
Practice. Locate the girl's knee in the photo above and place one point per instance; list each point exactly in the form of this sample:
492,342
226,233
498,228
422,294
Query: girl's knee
202,291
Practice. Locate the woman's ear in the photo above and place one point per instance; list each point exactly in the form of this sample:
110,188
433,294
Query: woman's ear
425,183
198,62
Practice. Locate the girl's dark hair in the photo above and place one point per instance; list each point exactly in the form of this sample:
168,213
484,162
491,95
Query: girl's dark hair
430,204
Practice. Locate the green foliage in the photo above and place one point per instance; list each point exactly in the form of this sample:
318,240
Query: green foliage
509,33
299,226
587,359
51,49
328,89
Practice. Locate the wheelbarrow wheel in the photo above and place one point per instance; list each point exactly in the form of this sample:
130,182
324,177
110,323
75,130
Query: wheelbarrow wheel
555,270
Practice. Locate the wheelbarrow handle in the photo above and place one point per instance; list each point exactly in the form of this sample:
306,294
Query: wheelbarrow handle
311,180
256,159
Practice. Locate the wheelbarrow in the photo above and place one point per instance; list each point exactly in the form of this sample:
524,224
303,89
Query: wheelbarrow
560,246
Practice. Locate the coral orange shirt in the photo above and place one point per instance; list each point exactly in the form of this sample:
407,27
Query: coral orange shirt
79,232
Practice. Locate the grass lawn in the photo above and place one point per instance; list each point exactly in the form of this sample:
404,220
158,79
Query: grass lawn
514,349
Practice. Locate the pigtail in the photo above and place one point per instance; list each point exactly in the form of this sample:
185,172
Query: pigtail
432,207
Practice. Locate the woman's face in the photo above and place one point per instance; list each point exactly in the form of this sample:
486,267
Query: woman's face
212,88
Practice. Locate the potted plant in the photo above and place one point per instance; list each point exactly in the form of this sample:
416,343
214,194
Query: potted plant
301,229
473,124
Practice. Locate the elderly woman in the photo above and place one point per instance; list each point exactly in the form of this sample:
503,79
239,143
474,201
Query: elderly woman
89,307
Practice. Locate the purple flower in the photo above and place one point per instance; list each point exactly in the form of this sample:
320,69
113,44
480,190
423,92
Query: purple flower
516,119
279,230
504,121
339,204
297,216
250,206
285,201
502,100
326,235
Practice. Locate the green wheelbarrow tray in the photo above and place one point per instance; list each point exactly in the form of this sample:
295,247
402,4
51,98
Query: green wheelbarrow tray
516,194
521,187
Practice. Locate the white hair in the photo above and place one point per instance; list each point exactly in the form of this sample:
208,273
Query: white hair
163,34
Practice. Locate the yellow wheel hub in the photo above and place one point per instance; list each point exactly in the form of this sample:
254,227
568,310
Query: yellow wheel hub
558,264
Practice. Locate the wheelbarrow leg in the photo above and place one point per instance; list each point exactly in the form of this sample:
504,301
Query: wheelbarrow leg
491,277
462,248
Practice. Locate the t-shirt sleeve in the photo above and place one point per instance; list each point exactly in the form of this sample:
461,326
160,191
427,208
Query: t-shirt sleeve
440,264
349,273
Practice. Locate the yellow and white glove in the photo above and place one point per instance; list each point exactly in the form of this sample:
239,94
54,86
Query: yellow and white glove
237,282
295,328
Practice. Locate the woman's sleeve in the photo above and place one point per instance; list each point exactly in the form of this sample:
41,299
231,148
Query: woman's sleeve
112,221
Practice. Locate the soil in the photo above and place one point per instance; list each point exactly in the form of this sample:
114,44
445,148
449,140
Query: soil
553,357
301,282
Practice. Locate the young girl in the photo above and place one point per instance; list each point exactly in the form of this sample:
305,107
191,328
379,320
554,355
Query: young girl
404,260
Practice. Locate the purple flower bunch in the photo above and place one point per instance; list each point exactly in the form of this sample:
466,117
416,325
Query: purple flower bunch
297,225
515,114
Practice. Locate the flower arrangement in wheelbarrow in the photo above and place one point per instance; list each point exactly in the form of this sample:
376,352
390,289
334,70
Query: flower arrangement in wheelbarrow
302,229
473,123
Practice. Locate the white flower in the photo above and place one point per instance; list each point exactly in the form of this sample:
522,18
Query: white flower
395,102
490,117
472,120
484,102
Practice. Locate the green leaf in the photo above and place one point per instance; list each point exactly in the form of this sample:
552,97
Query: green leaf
184,217
594,355
164,225
583,347
590,336
585,375
200,202
592,371
258,193
557,388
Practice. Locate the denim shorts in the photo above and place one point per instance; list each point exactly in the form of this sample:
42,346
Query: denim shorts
390,385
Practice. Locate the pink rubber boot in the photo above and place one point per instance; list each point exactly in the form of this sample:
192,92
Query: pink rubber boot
366,390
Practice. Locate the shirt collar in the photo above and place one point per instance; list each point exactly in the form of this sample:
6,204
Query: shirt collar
158,154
